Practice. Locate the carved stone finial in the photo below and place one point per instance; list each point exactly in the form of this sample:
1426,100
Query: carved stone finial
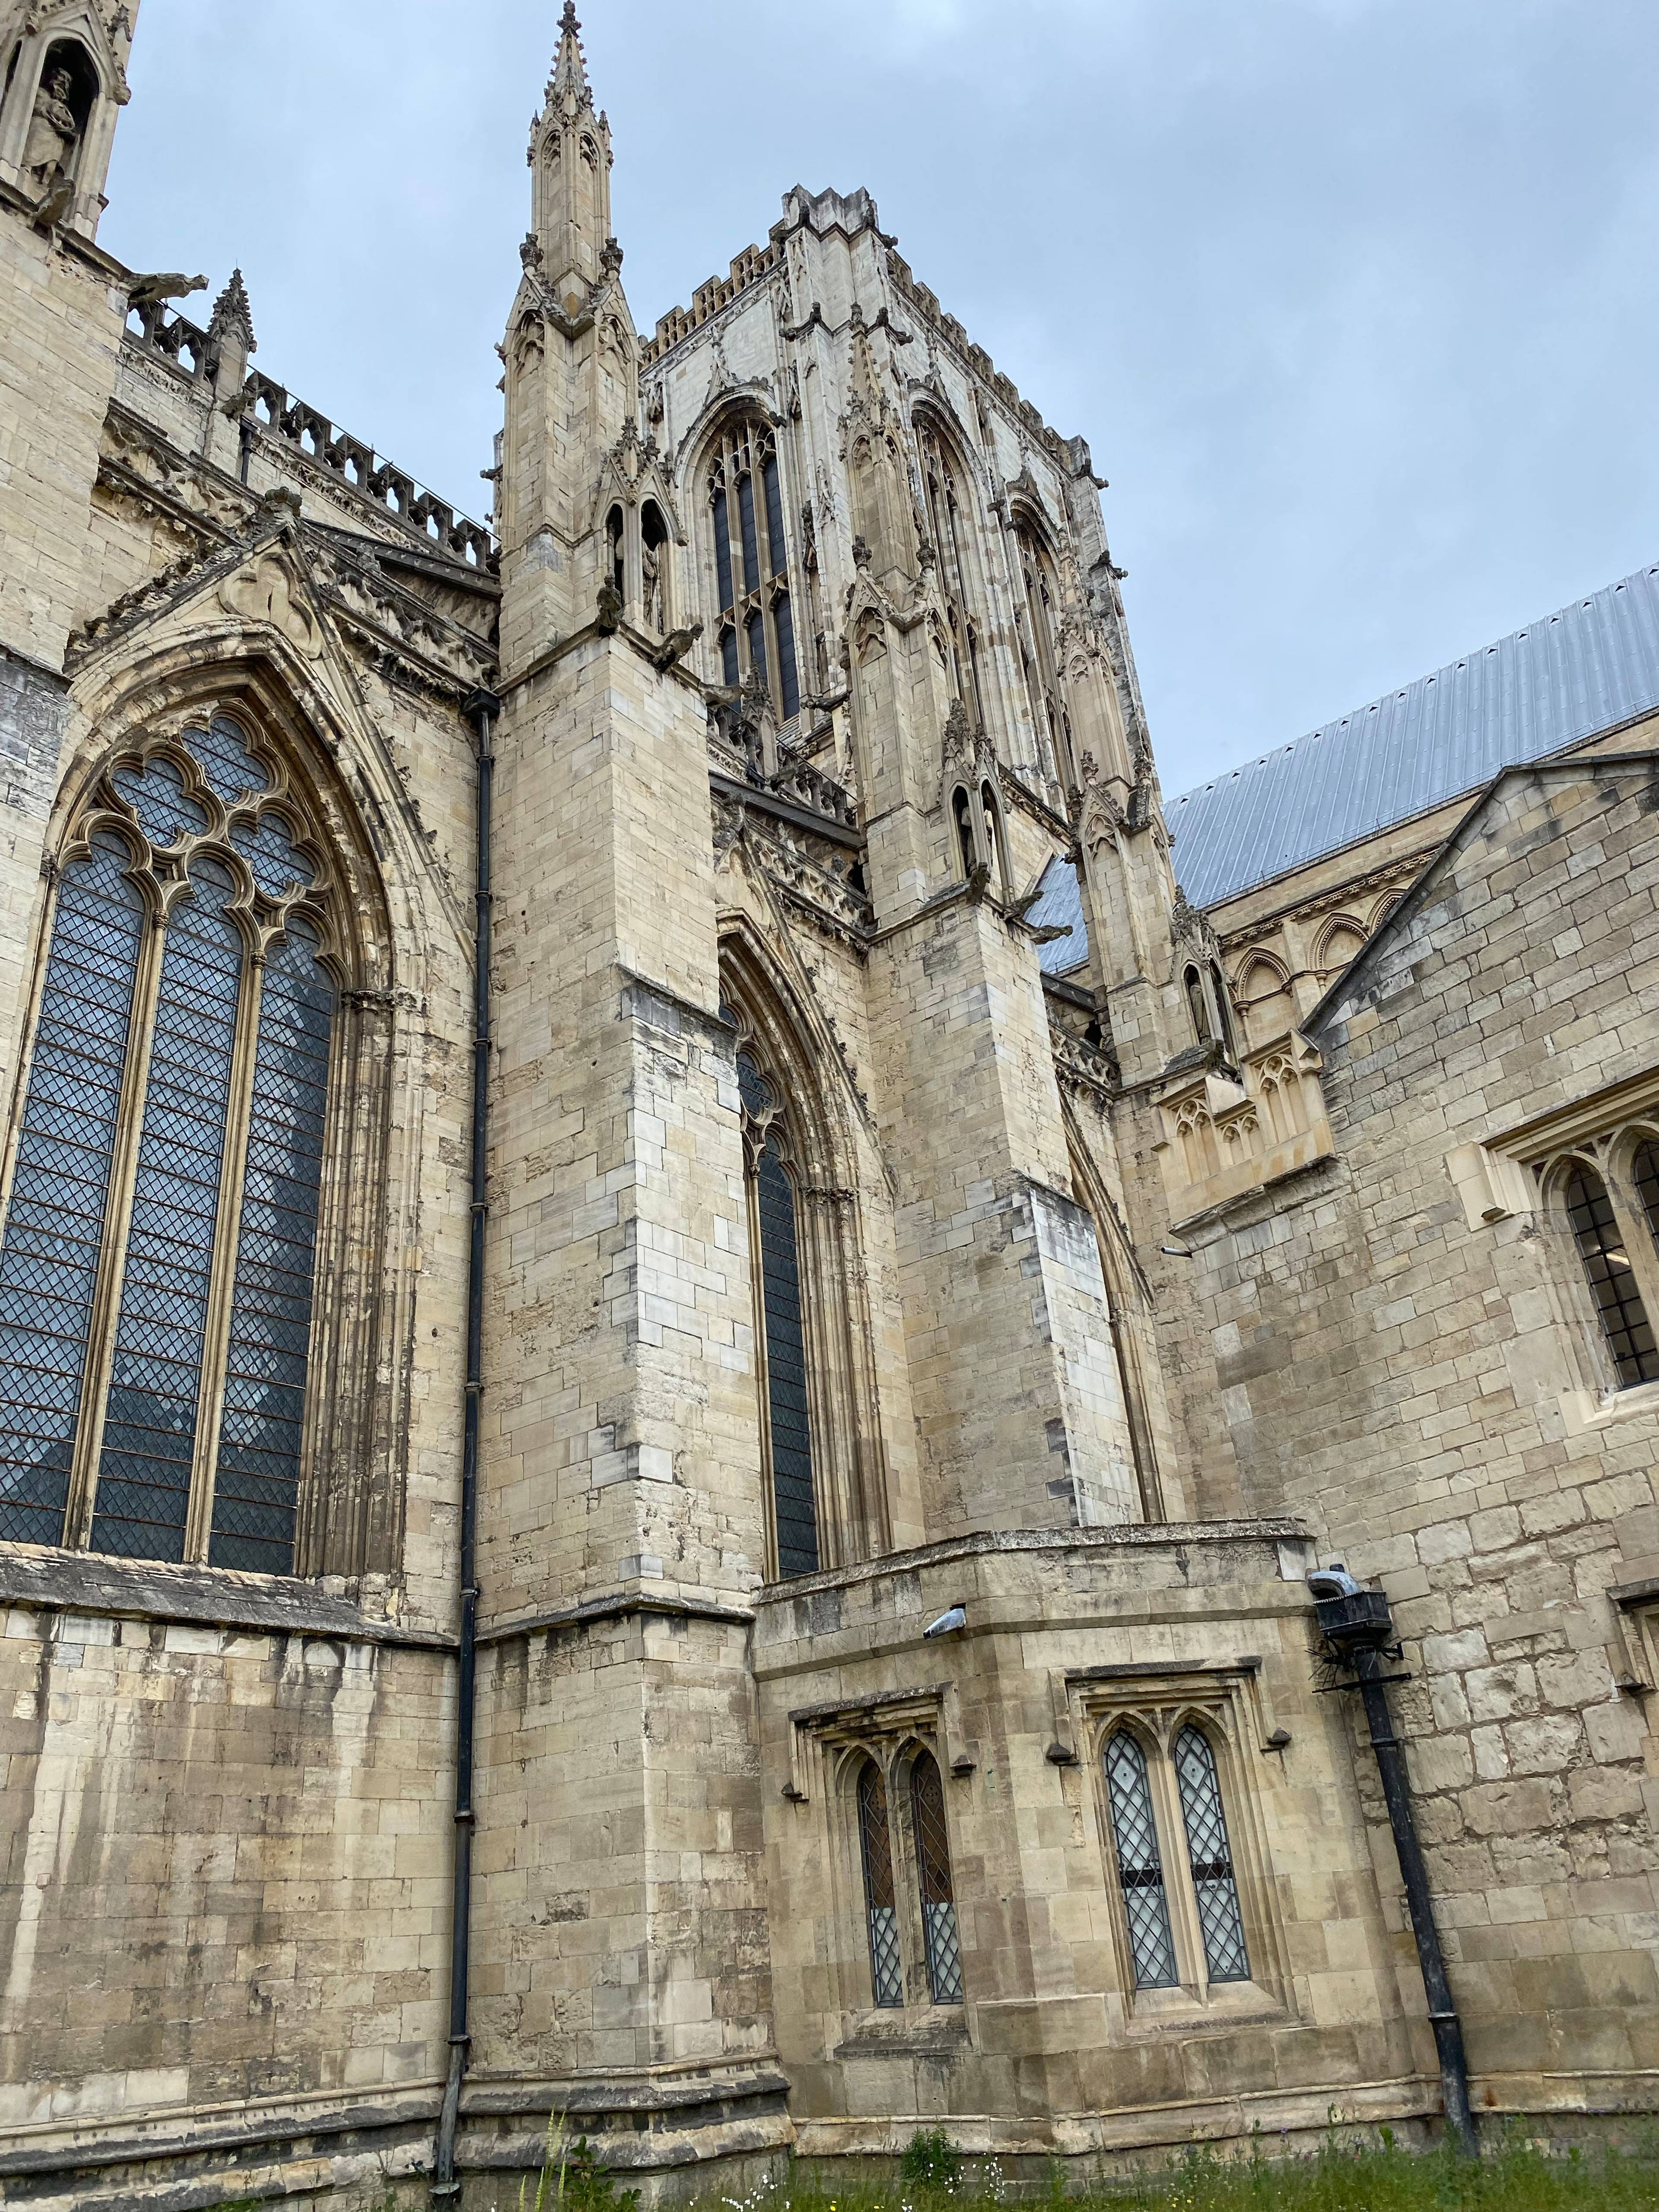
232,311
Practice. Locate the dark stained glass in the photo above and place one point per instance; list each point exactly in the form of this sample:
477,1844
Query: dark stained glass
730,673
149,1424
784,622
256,1488
939,1908
757,644
723,556
1210,1856
880,1900
774,537
60,1193
785,1370
1619,1306
751,567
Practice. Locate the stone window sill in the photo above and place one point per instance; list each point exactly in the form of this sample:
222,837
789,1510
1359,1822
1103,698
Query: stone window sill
1582,1410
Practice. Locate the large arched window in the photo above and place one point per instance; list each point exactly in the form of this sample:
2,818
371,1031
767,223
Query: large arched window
756,628
157,1262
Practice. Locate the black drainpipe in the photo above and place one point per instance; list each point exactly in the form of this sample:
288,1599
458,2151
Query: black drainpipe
481,710
1360,1626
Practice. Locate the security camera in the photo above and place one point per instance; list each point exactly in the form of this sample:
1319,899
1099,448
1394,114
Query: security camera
948,1623
1333,1581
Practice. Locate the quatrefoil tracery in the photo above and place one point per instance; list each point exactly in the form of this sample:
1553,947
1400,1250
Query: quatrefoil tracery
204,793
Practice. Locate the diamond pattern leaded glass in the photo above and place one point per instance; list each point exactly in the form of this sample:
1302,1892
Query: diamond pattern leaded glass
221,752
939,1910
1210,1857
150,1423
881,1901
156,795
49,1261
1140,1870
786,1370
256,1489
268,851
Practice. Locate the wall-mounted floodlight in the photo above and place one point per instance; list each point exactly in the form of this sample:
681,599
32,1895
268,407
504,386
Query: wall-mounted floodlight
948,1623
1172,1251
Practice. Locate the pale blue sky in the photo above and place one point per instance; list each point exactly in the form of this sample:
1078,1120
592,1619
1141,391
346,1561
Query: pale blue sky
1354,300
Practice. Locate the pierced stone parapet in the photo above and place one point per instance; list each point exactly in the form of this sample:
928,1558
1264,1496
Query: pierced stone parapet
1224,1139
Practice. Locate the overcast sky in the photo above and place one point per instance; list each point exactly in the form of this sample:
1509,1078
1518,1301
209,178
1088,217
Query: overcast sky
1354,300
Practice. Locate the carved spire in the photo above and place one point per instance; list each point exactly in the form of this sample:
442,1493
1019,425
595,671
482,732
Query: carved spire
570,157
231,310
567,87
230,338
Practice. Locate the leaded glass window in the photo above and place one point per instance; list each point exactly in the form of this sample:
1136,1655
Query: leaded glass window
1613,1286
939,1908
1645,1172
1140,1866
880,1900
156,1269
1210,1859
755,628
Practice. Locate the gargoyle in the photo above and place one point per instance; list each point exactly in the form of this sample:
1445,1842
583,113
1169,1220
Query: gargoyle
170,284
675,645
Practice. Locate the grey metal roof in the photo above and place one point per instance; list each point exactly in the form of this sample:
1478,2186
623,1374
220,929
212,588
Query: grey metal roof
1588,667
1059,905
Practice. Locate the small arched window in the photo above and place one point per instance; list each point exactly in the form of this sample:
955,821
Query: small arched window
880,1899
996,837
1644,1173
755,628
939,1907
1613,1285
786,1426
654,568
156,1270
1210,1859
1140,1867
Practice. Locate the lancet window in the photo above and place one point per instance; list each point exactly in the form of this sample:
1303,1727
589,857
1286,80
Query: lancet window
159,1240
947,526
1603,1198
1040,651
775,1243
917,1912
1174,1856
755,628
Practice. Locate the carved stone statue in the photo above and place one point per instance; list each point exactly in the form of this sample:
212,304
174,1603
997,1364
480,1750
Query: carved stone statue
53,130
650,583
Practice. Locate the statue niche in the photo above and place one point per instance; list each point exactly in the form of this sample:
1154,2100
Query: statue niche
63,108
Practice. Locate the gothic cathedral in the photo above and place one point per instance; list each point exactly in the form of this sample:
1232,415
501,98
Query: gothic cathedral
689,1324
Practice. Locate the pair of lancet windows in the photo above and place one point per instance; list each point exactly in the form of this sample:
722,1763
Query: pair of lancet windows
929,1859
1039,648
158,1248
755,628
1191,1868
1209,1006
948,530
981,839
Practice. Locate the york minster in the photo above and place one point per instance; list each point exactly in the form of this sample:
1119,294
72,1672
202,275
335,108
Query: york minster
687,1287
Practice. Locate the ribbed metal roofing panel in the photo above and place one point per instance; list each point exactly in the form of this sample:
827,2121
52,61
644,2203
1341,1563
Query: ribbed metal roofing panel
1586,668
1059,905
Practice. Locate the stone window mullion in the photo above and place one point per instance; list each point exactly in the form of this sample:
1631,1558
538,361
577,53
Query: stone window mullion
232,1175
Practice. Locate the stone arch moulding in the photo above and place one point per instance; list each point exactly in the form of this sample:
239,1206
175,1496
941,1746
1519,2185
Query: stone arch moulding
851,1474
351,1501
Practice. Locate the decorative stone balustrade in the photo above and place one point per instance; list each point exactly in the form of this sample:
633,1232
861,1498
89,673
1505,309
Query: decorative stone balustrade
155,329
1224,1139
